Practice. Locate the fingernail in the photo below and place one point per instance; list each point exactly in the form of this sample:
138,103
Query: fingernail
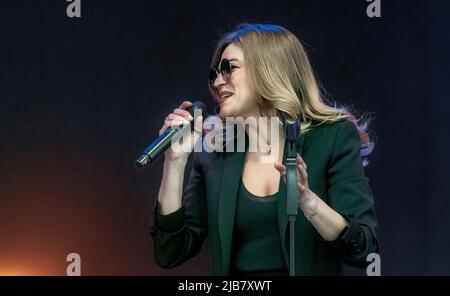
190,117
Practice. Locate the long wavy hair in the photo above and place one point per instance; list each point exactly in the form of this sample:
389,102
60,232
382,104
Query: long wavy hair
282,81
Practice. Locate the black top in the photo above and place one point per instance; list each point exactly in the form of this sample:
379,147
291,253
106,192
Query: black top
256,243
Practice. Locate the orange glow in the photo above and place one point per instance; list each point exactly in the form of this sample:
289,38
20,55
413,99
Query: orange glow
16,271
24,269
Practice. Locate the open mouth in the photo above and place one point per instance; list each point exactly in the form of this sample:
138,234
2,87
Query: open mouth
224,96
223,99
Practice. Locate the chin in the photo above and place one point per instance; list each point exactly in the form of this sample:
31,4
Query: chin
224,112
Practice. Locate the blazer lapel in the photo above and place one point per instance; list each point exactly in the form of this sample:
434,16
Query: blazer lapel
231,177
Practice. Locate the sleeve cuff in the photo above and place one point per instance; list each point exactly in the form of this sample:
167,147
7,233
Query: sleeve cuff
172,222
353,238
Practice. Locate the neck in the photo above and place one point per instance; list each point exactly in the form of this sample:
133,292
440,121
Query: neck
268,131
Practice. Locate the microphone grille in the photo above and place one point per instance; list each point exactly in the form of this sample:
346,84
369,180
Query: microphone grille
292,129
199,105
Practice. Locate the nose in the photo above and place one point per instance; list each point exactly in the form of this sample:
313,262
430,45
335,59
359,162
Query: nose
219,81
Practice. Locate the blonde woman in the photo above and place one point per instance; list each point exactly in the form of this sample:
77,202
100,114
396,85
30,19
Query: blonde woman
239,201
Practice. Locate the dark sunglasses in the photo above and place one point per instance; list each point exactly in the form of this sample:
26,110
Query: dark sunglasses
225,68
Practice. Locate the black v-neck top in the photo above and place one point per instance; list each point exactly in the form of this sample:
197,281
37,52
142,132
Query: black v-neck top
256,243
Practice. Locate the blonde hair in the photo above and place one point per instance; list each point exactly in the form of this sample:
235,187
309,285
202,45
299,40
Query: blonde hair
281,78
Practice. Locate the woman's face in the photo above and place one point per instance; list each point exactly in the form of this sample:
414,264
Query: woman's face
234,95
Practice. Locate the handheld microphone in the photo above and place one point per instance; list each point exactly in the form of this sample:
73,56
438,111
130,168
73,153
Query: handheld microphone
163,142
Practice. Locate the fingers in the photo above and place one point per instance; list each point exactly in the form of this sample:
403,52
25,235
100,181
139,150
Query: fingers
302,172
173,116
172,124
173,120
279,167
300,187
300,161
185,105
302,175
301,168
183,113
179,116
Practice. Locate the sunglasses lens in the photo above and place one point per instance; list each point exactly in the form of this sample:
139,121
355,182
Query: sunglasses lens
212,76
225,69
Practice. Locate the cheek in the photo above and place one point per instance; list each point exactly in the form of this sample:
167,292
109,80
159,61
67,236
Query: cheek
245,97
215,96
242,90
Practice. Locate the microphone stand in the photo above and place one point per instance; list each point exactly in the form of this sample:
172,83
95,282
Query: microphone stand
291,206
292,131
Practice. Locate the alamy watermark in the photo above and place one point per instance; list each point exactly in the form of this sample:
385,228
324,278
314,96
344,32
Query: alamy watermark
374,268
74,267
230,135
74,8
374,8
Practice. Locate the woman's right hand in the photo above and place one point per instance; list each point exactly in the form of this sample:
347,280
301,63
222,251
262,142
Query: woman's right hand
178,117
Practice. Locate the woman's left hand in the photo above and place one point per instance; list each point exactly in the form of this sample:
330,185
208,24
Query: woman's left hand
306,198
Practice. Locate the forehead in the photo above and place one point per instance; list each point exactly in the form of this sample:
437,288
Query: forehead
233,51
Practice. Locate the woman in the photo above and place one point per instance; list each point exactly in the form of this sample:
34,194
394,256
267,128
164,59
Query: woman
239,201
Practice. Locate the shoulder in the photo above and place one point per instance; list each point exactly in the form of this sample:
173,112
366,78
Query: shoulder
326,138
330,131
342,124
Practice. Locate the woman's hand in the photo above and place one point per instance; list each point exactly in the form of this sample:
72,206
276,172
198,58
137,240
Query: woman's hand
178,117
307,200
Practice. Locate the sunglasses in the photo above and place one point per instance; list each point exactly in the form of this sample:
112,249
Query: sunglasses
225,69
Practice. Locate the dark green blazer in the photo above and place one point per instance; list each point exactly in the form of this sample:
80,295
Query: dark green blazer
335,174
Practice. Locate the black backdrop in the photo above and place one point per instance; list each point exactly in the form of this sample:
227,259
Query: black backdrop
80,99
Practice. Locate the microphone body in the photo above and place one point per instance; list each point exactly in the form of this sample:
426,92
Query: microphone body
163,142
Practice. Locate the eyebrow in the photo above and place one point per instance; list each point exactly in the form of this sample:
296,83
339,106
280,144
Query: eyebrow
232,60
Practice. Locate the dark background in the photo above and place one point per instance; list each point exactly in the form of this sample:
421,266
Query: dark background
81,98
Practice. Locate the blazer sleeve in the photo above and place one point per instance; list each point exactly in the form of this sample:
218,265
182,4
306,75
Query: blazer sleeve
179,236
350,194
